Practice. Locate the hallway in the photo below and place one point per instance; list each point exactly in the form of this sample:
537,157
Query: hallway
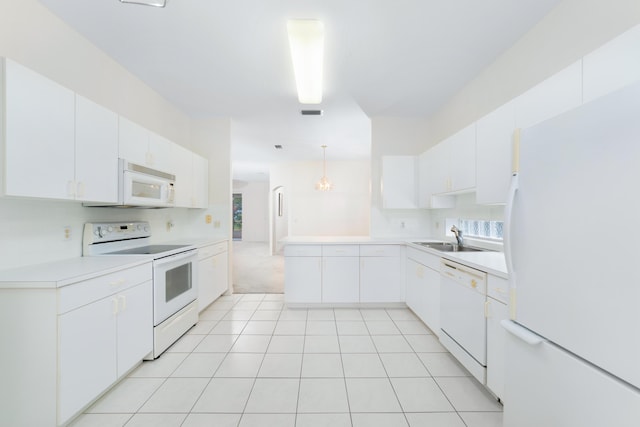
255,270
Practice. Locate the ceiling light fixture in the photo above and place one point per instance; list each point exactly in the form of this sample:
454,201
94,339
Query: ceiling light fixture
324,184
306,41
154,3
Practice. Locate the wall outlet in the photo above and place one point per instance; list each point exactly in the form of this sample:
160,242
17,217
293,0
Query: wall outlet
207,219
66,236
216,224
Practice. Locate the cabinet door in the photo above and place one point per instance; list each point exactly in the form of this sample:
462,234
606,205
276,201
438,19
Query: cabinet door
340,279
496,311
87,355
613,66
399,182
494,136
39,130
303,279
432,300
212,279
135,325
133,142
462,159
96,152
438,168
182,168
200,182
555,95
415,293
380,279
159,155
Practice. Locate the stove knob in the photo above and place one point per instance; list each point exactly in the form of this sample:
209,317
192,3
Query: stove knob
97,233
109,229
139,227
146,228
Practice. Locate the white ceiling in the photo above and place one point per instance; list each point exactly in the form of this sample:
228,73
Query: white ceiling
400,58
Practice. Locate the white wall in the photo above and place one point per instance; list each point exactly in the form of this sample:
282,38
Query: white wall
571,30
344,211
31,231
255,210
396,136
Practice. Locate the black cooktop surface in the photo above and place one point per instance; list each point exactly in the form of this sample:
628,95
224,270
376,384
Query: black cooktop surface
148,250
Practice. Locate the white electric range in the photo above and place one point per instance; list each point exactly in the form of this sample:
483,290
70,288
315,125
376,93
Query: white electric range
175,271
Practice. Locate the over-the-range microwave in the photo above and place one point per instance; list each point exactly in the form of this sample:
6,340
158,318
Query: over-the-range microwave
142,187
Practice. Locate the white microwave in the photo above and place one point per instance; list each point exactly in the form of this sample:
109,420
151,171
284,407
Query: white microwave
142,187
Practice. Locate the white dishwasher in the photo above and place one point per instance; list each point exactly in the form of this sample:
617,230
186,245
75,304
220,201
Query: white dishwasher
463,292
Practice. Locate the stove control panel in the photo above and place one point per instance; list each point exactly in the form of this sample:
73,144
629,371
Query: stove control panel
100,232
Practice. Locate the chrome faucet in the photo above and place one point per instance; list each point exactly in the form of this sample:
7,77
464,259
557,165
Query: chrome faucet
458,235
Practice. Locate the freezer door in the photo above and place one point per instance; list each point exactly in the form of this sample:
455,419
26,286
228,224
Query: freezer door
547,386
575,231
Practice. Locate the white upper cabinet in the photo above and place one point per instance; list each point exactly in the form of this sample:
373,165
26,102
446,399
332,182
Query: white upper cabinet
159,154
96,152
613,66
200,182
494,135
555,95
181,167
399,179
133,142
192,178
39,135
141,146
462,159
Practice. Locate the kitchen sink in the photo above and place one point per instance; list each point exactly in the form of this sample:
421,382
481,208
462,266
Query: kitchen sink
448,247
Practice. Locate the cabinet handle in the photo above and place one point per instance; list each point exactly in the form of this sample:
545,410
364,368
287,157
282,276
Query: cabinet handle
123,302
70,188
118,282
114,306
487,309
80,189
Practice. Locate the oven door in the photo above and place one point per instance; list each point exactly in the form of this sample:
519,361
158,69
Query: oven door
175,284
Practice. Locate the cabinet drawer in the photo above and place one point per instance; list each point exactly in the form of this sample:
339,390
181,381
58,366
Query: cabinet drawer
498,288
340,250
85,292
379,250
303,250
424,258
211,250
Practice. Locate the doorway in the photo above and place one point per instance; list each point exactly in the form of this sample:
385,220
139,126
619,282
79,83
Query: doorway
237,216
279,228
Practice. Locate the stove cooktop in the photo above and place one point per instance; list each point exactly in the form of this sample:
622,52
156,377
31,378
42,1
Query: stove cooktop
147,250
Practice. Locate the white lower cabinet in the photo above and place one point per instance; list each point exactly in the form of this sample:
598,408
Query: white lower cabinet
343,273
70,344
213,267
423,287
496,310
303,274
340,273
99,343
380,274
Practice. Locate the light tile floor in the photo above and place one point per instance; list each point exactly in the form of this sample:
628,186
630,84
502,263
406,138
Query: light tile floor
251,361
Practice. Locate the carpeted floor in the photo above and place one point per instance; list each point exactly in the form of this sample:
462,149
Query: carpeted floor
254,270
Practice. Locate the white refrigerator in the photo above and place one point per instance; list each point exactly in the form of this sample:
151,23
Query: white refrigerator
572,246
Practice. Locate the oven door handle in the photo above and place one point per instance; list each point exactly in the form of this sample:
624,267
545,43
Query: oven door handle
177,257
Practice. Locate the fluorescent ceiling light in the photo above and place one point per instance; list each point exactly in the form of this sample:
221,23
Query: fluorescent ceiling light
306,41
154,3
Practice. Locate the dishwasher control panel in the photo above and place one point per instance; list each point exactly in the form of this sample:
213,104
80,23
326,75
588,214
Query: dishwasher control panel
464,276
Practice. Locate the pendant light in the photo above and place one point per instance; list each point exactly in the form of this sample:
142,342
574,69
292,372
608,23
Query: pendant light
324,184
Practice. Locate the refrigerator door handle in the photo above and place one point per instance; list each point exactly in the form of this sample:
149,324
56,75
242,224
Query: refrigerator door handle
521,333
508,214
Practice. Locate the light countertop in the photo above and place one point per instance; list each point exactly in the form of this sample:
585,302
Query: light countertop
490,261
57,274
